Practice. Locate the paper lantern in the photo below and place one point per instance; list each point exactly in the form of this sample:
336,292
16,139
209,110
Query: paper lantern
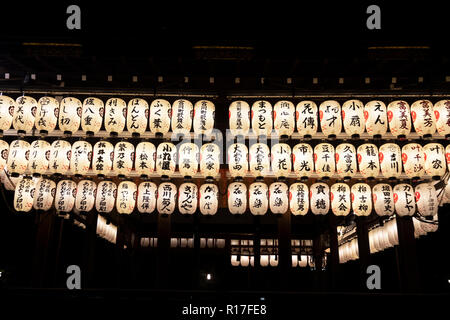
115,116
167,193
160,116
404,199
340,199
18,156
102,160
390,160
259,159
60,154
278,198
188,155
442,115
298,199
238,159
146,197
361,199
330,118
39,157
123,158
4,149
7,105
281,159
346,160
302,156
426,199
70,110
258,198
375,113
423,117
399,117
137,116
368,160
81,157
182,111
209,160
261,115
434,159
65,195
126,197
23,195
106,196
92,115
307,121
187,198
353,117
145,158
320,198
383,199
447,155
24,114
85,197
44,194
283,118
47,114
413,160
324,157
239,114
209,199
237,197
166,159
204,113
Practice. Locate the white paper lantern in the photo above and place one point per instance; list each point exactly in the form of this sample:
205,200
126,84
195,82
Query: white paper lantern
346,160
182,111
23,195
4,150
204,113
399,117
375,113
368,160
70,110
390,160
115,115
299,199
166,158
60,154
137,116
126,197
85,198
423,118
209,160
442,115
447,156
209,199
281,159
44,194
426,199
146,197
330,118
166,201
103,156
239,114
160,116
278,198
24,113
361,199
39,157
283,118
302,157
92,115
123,158
383,199
7,106
259,158
340,199
237,198
187,198
413,160
47,114
324,160
145,158
65,195
238,159
81,157
320,198
307,120
434,159
106,196
258,198
18,156
353,117
188,155
261,116
405,204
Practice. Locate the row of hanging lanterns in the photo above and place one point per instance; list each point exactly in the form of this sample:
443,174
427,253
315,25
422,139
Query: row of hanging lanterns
271,260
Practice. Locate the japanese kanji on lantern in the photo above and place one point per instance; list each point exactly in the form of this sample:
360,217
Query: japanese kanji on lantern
126,197
105,198
44,194
46,114
137,116
413,160
261,116
324,160
258,198
60,154
390,160
146,197
237,198
85,197
69,119
368,160
340,199
188,156
422,115
80,160
375,113
426,199
187,198
204,113
4,149
39,157
92,115
346,160
383,199
405,204
259,158
278,198
7,105
123,158
209,160
434,160
209,199
23,195
239,114
319,194
160,116
115,116
145,158
65,196
238,159
182,112
281,159
284,118
330,118
361,196
24,114
166,201
302,157
299,198
442,115
166,158
447,156
353,117
18,156
399,117
307,120
102,159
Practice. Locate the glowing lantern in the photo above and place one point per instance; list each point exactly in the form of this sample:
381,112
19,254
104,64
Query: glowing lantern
70,115
239,113
238,159
423,118
259,159
375,113
383,199
182,111
92,115
39,157
145,158
434,160
404,199
146,197
346,160
4,149
106,196
80,160
123,158
6,112
298,199
324,160
19,152
160,114
209,199
447,156
340,199
281,159
126,197
166,158
102,160
258,198
368,160
426,199
85,197
283,118
23,195
361,199
237,197
320,198
204,113
399,117
167,193
44,194
60,154
115,116
24,114
306,115
188,156
302,156
413,160
278,198
330,118
209,160
442,115
137,116
353,117
390,160
47,114
65,195
187,198
261,115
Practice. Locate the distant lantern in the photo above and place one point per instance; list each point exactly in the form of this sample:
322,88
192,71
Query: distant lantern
320,198
239,114
126,197
259,158
307,120
209,199
24,114
166,159
160,116
238,159
4,149
346,160
137,116
405,204
123,158
278,198
70,110
102,159
146,197
399,117
65,195
39,157
145,158
106,196
423,118
426,199
413,159
324,158
187,198
353,117
81,157
258,198
434,160
92,115
209,160
330,118
182,111
23,195
442,115
44,194
383,199
188,156
361,196
237,198
261,116
115,116
299,199
281,159
368,160
60,154
303,159
375,113
7,105
284,118
204,114
340,199
390,160
47,114
18,156
85,197
166,201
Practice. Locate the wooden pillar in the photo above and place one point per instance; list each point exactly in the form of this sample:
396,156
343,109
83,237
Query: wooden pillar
163,251
88,269
284,249
318,259
120,244
363,249
257,254
407,256
333,263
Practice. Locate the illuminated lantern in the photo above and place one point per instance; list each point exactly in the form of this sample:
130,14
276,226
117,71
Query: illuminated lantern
60,154
102,160
442,115
238,159
24,114
281,159
259,159
85,198
423,118
278,198
6,112
209,160
115,116
166,157
187,198
145,158
303,261
137,116
447,156
258,198
426,199
298,199
390,160
47,114
353,117
19,152
320,198
383,199
80,160
399,117
204,113
283,118
209,199
167,193
106,196
70,110
340,199
239,113
92,115
346,160
160,114
307,121
65,195
44,194
413,160
126,197
4,149
434,160
330,118
188,156
146,197
302,155
237,197
324,160
405,204
361,199
123,158
39,157
261,115
375,113
368,160
182,111
8,180
23,195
